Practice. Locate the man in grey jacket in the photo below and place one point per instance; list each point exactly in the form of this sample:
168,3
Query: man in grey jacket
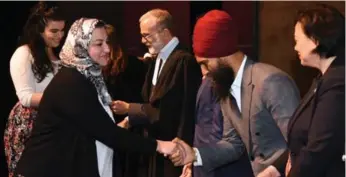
258,103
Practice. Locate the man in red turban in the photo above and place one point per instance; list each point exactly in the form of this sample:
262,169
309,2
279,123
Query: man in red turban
257,100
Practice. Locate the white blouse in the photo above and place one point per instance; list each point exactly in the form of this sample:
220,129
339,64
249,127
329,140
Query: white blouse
23,77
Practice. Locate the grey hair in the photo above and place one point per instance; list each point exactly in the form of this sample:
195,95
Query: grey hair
163,18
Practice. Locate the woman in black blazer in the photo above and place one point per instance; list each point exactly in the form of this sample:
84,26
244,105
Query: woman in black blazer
75,133
316,132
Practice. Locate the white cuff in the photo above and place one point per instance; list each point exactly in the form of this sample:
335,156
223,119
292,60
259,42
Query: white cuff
198,162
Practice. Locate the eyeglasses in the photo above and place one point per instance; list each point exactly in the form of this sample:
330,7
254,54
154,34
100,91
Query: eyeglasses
148,36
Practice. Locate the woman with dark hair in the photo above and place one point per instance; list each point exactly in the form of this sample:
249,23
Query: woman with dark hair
75,132
117,61
32,67
124,75
316,132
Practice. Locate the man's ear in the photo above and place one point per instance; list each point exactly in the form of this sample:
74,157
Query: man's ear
167,32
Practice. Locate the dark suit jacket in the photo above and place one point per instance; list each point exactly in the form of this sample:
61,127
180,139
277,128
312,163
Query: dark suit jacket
316,133
209,130
70,119
169,106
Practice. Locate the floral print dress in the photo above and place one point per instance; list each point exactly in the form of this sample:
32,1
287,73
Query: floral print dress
22,116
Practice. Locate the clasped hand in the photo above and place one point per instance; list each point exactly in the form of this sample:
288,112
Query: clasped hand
183,155
179,152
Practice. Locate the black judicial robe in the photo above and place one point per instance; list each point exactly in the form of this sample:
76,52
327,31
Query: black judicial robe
169,107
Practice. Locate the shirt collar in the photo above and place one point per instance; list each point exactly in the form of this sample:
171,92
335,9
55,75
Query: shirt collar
169,47
239,76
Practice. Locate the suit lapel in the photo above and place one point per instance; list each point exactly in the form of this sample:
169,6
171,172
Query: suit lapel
146,89
169,63
246,90
233,111
246,100
307,98
166,78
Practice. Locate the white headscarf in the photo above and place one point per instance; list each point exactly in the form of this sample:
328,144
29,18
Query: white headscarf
75,54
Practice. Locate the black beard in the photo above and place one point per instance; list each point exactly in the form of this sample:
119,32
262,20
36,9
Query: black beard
223,77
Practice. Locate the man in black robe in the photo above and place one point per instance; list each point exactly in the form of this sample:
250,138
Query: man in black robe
169,91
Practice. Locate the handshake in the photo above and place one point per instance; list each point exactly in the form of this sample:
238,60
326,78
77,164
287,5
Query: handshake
179,152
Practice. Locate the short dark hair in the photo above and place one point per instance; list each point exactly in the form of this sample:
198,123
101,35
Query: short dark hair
325,25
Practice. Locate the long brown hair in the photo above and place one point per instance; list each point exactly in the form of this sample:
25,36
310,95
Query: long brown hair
117,62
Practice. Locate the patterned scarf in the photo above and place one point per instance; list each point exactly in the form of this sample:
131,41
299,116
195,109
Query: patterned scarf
74,54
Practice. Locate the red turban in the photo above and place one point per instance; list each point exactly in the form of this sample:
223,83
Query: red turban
215,35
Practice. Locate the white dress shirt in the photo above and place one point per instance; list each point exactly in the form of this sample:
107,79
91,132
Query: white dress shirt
163,55
236,93
236,85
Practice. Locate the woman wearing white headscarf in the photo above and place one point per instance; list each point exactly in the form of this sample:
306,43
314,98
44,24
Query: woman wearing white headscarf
75,133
